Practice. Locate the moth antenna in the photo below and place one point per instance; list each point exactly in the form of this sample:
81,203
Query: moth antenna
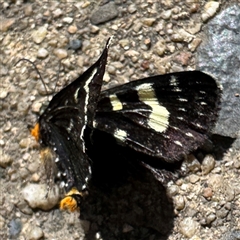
36,69
59,67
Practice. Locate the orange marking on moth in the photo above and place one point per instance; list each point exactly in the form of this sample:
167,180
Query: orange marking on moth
69,202
35,132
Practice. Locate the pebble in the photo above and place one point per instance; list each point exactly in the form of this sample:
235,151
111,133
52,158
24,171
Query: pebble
60,53
188,227
3,94
15,227
183,58
193,164
33,167
94,29
5,159
210,10
222,213
137,26
39,34
25,142
2,222
193,178
179,202
24,173
42,53
194,44
57,12
210,218
148,21
72,29
36,106
207,192
75,44
172,190
35,195
68,20
166,14
104,13
28,10
6,23
229,193
208,164
215,181
35,233
35,177
160,47
132,8
124,43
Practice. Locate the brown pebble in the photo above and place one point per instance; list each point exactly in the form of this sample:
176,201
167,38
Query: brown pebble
72,29
207,192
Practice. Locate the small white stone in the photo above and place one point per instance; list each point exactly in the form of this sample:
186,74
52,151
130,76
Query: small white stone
210,10
188,227
60,53
35,233
38,196
39,34
42,53
68,20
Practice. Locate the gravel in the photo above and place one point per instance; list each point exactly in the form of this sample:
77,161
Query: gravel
150,37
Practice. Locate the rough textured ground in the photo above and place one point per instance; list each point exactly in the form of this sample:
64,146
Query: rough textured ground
150,38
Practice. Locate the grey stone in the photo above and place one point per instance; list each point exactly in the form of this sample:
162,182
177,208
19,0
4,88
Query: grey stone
104,13
15,227
218,55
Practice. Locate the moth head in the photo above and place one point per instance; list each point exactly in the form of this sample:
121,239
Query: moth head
71,201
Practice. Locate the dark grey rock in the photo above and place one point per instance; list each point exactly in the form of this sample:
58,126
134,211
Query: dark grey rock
219,56
232,235
15,227
75,44
104,13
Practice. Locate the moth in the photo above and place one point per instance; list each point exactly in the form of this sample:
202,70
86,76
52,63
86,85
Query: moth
163,116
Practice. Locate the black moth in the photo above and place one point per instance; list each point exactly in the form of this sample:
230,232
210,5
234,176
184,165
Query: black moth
163,117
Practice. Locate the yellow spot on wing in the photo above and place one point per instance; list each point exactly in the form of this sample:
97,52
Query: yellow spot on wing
115,102
158,119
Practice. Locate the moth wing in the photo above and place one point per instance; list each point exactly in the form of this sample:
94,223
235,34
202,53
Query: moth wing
63,123
162,116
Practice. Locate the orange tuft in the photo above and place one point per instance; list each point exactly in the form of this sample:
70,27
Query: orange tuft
70,201
35,132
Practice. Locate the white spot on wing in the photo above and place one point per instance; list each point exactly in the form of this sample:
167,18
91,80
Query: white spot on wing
182,99
115,102
76,95
189,134
86,88
120,134
158,119
94,124
178,143
173,81
180,118
176,89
